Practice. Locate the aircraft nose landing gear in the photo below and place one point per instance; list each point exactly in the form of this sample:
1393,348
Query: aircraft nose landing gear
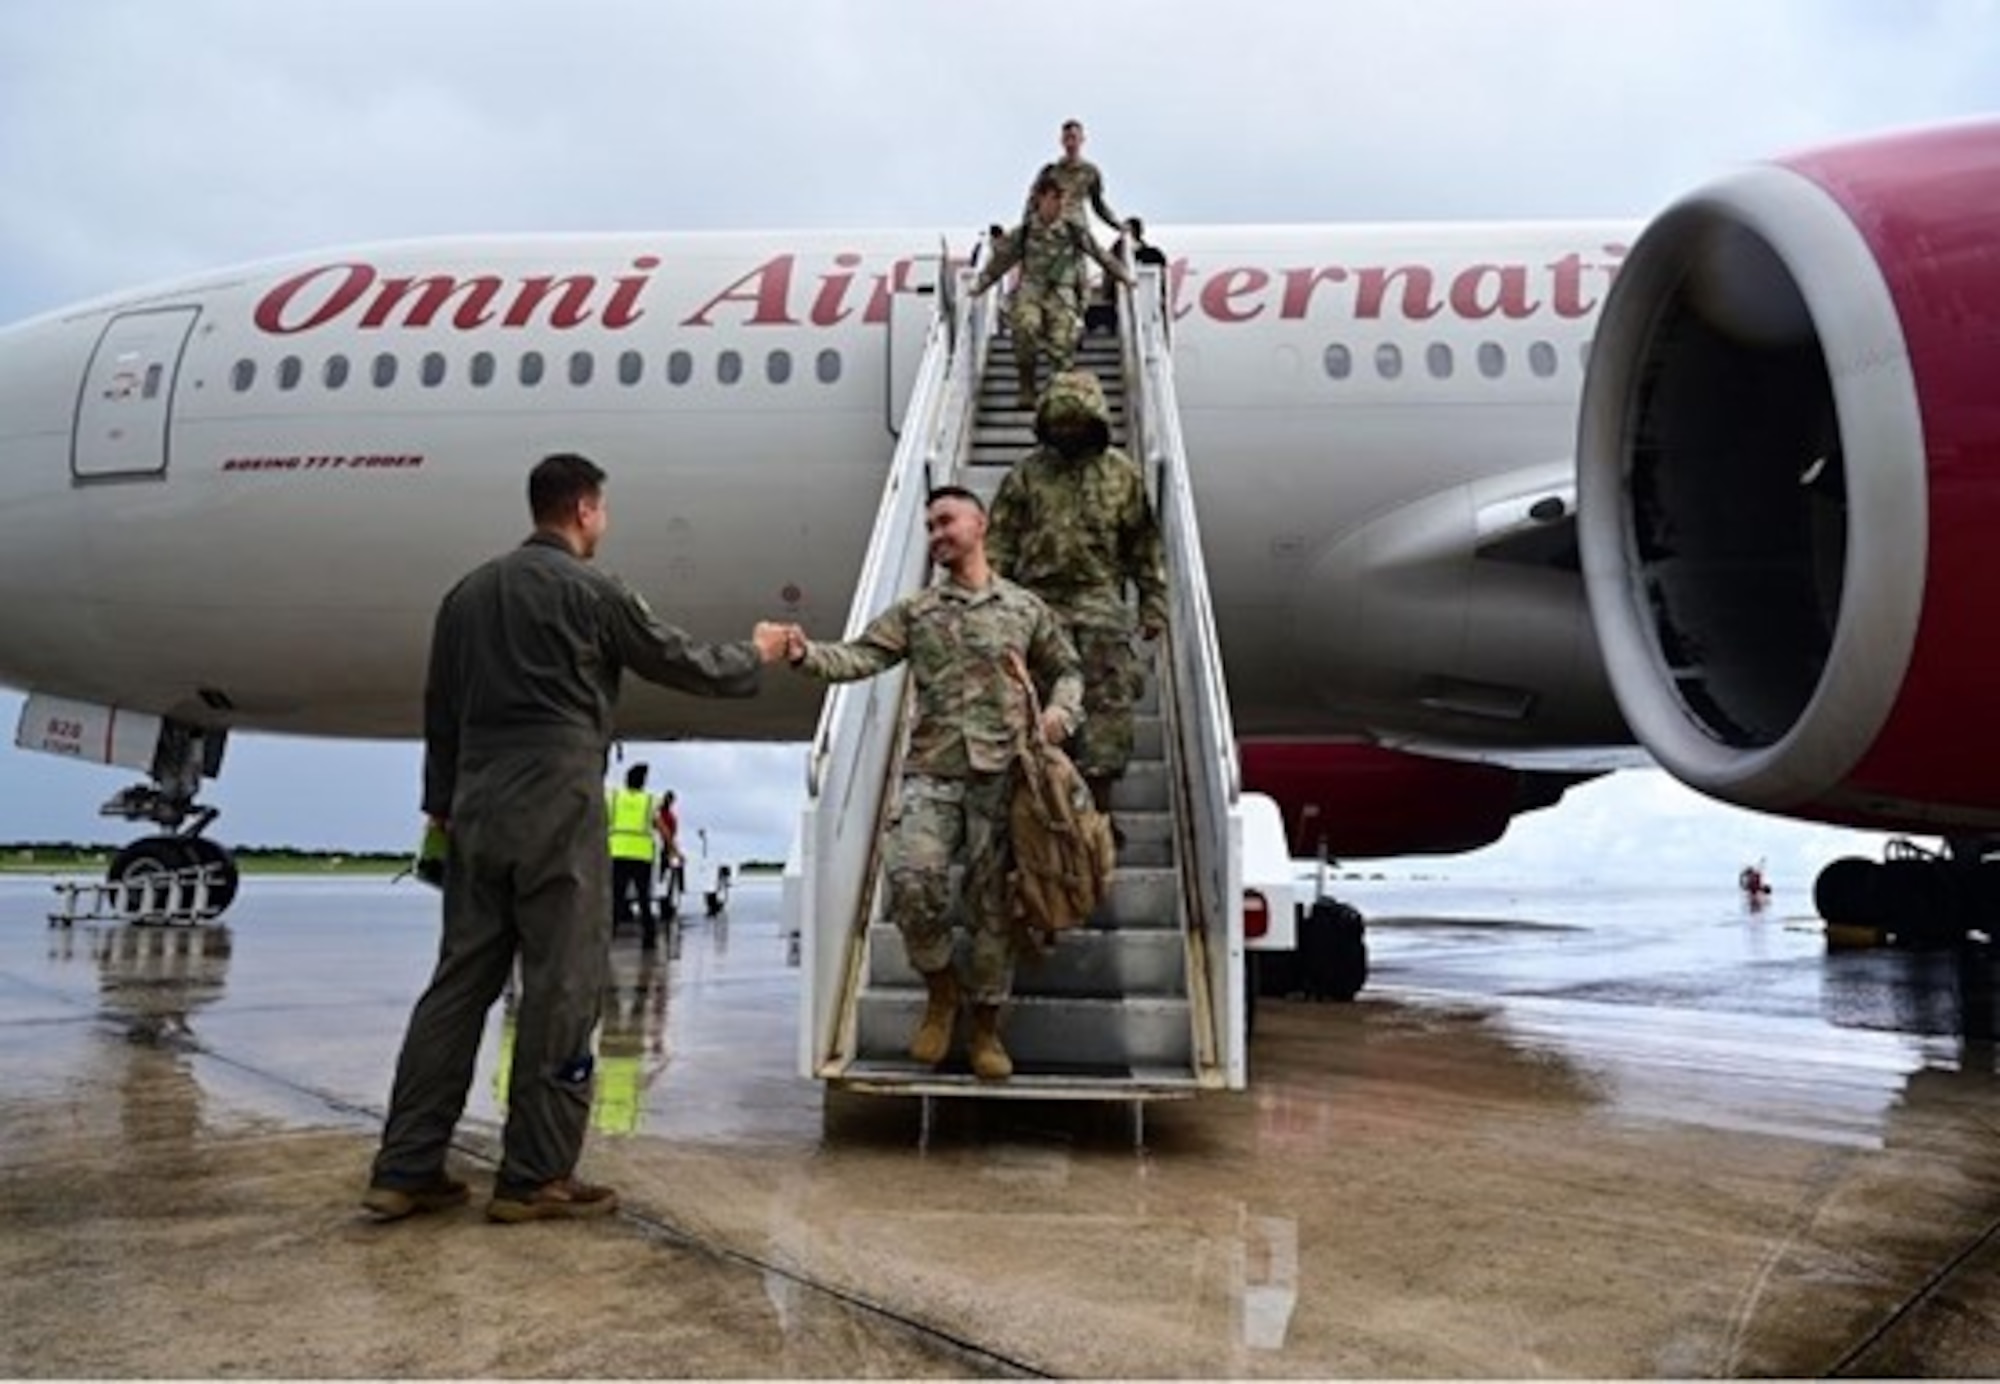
190,877
178,875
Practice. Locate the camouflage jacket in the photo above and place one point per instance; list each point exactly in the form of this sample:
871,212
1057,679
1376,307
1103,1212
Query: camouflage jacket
970,711
1083,190
1074,531
1051,254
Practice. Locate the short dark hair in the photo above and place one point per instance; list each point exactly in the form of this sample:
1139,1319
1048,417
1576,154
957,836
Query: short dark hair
1073,124
635,777
953,492
1047,182
558,482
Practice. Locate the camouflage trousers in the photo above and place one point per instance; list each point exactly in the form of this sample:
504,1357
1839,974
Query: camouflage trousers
937,822
1112,682
1045,323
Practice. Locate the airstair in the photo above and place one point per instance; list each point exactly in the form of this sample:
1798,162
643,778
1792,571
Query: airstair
1148,1001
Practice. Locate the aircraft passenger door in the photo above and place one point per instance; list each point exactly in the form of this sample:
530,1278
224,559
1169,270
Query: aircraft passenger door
912,307
127,398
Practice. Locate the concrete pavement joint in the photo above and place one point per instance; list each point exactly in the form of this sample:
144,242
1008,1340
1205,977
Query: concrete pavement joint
1930,1285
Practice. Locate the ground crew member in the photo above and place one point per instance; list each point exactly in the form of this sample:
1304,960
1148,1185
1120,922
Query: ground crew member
631,812
957,636
525,663
673,880
1072,523
1046,311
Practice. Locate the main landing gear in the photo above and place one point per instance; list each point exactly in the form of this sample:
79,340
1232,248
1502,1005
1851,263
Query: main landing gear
178,872
1912,897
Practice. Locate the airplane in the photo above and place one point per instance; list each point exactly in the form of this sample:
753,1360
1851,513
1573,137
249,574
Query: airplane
1490,508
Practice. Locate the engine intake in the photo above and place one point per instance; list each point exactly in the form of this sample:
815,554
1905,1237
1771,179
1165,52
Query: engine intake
1787,492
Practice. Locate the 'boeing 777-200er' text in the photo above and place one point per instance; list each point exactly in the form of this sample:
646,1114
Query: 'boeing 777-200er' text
1486,508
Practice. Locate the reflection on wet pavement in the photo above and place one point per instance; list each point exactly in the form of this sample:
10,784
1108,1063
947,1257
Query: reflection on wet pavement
1564,1132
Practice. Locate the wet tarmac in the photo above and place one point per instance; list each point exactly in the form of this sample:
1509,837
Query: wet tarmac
1577,1131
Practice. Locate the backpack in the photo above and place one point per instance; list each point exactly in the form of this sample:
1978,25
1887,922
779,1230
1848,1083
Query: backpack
1064,854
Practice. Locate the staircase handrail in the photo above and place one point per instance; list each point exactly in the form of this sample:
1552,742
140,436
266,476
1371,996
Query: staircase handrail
1195,703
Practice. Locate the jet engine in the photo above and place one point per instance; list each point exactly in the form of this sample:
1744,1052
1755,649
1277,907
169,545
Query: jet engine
1789,484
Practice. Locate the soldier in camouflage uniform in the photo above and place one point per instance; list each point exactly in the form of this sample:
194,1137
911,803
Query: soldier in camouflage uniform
1083,191
1072,523
1082,185
1047,309
958,769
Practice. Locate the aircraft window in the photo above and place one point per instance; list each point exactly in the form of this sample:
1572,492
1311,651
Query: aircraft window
729,367
1437,358
581,364
1492,359
1339,361
289,370
1389,360
383,371
433,371
335,372
778,367
482,367
531,367
828,366
151,388
1542,358
243,375
680,367
631,367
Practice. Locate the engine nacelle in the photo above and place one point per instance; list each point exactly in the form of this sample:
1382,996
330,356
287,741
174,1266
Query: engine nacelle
1367,801
1789,484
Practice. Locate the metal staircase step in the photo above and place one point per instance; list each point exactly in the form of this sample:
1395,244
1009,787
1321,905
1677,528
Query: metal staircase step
1045,1033
1149,839
1099,963
1142,896
1073,1082
1142,789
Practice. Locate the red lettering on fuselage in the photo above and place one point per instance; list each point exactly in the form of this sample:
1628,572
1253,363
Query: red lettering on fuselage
330,292
786,291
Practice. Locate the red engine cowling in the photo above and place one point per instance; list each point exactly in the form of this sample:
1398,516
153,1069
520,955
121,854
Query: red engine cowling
1365,801
1789,484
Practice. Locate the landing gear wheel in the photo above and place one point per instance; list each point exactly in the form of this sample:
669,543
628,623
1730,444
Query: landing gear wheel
148,856
223,874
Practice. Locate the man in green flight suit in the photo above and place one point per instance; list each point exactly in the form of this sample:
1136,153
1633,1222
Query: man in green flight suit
526,658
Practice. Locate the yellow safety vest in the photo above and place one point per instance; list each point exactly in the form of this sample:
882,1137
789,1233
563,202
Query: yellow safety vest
631,813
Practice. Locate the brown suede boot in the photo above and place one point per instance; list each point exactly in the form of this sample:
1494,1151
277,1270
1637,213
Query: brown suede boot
933,1035
990,1061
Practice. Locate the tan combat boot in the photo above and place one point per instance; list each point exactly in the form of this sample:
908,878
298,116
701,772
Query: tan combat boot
933,1035
990,1061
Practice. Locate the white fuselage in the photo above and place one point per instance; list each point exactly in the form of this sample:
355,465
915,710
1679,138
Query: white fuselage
195,520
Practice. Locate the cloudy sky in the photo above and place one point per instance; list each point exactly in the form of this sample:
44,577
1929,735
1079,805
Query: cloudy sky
143,140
